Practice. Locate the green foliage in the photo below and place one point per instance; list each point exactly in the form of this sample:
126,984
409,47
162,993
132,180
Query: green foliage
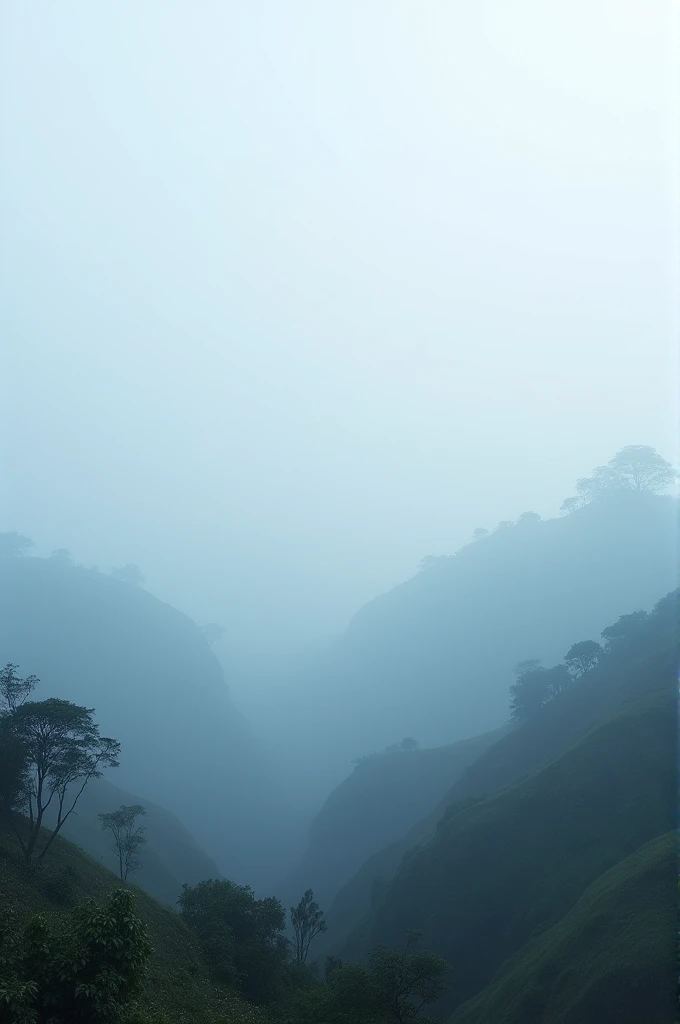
626,629
241,937
128,837
393,986
83,969
308,922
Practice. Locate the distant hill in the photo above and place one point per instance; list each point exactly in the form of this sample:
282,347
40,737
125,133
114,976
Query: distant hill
170,857
433,658
540,817
385,795
156,686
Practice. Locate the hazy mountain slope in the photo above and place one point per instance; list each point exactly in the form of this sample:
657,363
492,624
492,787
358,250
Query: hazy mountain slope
170,858
433,658
623,675
385,795
610,960
501,869
156,686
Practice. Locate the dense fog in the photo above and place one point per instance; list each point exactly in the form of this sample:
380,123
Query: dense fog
312,316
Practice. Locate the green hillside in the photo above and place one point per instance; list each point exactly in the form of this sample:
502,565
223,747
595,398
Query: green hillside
624,675
501,869
609,960
178,982
384,797
170,858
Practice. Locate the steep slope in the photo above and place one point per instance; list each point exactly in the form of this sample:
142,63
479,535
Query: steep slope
609,960
156,686
433,658
501,869
170,858
385,795
520,753
178,982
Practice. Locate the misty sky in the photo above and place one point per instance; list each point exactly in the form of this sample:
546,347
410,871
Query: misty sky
295,293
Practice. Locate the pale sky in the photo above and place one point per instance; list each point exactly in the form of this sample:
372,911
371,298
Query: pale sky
295,293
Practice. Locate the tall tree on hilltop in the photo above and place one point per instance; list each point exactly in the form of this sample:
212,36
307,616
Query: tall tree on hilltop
636,468
308,922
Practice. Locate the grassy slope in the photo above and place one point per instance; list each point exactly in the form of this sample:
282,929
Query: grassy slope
518,754
171,856
382,798
610,960
178,982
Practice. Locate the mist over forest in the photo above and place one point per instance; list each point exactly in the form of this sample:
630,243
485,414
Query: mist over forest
339,513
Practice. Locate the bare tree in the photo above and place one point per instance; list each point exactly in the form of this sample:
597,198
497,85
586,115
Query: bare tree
128,836
307,921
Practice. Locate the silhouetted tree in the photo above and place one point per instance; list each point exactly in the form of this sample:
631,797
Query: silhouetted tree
625,628
308,922
408,743
583,656
14,691
130,573
480,533
637,467
527,518
530,691
61,557
63,748
128,836
14,545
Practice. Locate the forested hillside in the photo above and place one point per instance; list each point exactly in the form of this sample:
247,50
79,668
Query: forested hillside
547,811
433,658
156,686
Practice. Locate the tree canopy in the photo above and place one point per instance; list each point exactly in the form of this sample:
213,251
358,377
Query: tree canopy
636,468
308,922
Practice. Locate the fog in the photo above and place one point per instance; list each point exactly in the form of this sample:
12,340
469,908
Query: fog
294,294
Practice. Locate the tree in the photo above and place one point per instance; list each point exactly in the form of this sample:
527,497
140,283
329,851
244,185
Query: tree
504,524
583,656
625,628
639,467
406,980
84,968
128,836
213,632
408,743
14,691
530,691
130,573
480,533
14,545
308,922
63,748
61,556
241,937
528,518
